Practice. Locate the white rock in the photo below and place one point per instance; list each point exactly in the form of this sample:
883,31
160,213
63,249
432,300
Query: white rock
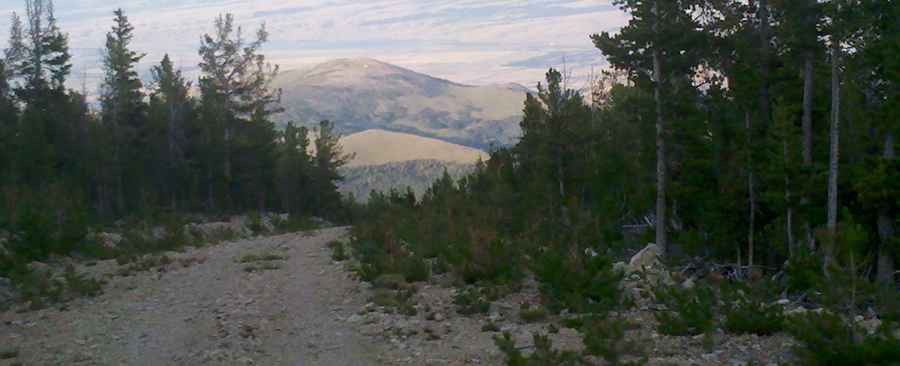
646,258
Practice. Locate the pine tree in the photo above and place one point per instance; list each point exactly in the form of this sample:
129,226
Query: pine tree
171,109
657,31
123,115
235,83
294,169
329,158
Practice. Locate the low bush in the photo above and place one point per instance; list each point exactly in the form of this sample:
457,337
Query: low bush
804,271
829,339
402,300
688,311
390,281
532,314
43,288
338,251
749,308
543,355
586,284
606,338
294,223
470,301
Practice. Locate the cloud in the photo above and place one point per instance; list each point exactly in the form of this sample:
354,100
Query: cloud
469,41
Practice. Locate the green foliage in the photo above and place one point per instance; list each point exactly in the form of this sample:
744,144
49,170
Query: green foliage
606,338
803,272
532,314
689,311
400,299
544,354
294,223
470,301
490,326
583,285
338,251
42,288
828,339
256,224
749,309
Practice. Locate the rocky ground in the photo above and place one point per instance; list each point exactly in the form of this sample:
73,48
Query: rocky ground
205,308
443,337
281,300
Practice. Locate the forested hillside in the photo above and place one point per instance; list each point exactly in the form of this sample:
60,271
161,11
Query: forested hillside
758,137
161,149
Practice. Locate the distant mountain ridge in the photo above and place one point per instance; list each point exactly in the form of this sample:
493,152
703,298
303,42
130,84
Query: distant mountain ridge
363,94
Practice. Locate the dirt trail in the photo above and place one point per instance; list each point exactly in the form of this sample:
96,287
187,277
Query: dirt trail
212,312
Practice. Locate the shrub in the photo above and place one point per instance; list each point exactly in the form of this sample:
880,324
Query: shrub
494,261
749,309
391,281
589,285
261,257
470,301
606,338
804,271
81,285
688,311
414,268
338,252
400,299
544,354
828,339
532,314
256,225
490,326
293,223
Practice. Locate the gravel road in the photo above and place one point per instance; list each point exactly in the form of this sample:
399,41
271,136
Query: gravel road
206,308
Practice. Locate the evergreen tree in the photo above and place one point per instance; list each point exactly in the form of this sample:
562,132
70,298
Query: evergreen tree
329,158
235,89
657,31
171,111
124,117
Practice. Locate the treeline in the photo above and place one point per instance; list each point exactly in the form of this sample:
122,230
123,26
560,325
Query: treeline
759,133
166,146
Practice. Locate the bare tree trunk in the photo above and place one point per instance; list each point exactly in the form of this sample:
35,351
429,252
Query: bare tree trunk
171,139
886,226
660,144
807,134
789,209
834,156
807,107
765,103
751,190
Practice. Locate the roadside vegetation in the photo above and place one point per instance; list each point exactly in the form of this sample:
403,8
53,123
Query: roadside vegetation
710,144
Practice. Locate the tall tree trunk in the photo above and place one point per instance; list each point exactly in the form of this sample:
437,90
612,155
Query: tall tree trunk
834,155
751,191
660,143
788,206
171,140
886,226
807,107
765,103
807,135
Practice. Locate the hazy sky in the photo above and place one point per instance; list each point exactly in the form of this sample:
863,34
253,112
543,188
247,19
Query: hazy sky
468,41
